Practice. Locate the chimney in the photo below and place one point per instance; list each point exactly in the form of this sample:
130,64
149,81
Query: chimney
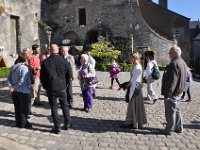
163,3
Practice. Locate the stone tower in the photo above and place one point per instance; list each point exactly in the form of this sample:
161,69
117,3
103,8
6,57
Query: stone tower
163,3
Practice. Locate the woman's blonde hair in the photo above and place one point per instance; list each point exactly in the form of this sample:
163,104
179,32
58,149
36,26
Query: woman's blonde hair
135,55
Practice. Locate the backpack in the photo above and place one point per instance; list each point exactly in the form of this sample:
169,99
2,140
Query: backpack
155,72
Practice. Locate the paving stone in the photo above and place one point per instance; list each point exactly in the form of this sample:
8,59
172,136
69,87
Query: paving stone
100,128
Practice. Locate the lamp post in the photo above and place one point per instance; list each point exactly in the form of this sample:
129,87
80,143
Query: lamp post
136,28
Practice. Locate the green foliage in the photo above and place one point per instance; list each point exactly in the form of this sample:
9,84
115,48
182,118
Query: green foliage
104,50
103,65
4,71
126,67
104,53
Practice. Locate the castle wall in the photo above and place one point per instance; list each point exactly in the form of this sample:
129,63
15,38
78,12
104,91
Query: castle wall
115,18
167,23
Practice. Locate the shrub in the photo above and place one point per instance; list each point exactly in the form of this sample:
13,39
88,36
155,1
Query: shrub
104,53
126,67
4,71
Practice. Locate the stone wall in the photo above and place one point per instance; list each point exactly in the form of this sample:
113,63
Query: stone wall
20,16
167,23
113,18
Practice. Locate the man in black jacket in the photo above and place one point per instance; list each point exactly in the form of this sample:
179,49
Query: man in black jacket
54,75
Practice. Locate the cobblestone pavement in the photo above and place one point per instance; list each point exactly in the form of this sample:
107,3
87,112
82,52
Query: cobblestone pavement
99,129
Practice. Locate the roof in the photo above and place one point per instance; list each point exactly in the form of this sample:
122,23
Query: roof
193,24
197,38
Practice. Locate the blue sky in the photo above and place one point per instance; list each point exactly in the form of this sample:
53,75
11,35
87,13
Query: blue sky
187,8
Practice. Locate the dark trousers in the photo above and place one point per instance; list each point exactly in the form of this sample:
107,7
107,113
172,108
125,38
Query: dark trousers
21,105
188,92
62,96
117,80
69,93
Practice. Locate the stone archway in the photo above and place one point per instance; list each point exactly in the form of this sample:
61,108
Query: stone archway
73,37
91,36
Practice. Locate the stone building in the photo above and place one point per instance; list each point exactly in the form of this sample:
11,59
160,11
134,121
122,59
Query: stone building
195,42
19,26
149,24
122,21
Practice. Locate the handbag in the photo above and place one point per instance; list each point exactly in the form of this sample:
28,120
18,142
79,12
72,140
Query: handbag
92,80
138,88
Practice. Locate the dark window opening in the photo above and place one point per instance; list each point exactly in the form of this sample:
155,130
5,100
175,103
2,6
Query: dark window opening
15,33
82,16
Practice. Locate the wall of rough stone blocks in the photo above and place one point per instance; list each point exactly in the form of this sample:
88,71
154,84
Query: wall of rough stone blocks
29,14
166,23
118,17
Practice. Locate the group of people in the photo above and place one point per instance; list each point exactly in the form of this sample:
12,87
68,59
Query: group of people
56,72
173,84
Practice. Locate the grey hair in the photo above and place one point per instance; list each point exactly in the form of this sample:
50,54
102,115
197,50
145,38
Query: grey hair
177,50
85,57
65,47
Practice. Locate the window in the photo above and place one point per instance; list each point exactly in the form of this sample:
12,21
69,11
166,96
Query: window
14,32
82,17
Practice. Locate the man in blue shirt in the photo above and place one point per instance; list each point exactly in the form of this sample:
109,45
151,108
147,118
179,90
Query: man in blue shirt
19,84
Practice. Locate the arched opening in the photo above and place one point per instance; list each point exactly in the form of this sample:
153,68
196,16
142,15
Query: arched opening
91,36
73,37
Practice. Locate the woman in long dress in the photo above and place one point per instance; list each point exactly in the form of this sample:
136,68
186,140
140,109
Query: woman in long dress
136,116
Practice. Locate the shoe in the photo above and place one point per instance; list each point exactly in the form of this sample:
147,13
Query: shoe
154,101
66,127
55,131
28,117
189,100
164,132
111,87
30,113
87,110
70,106
38,104
126,126
94,95
28,126
181,131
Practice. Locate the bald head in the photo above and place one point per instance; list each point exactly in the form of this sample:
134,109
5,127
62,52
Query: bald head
175,52
54,49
